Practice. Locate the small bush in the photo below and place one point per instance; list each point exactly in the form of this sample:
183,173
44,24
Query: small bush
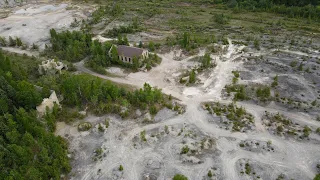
248,168
143,135
120,168
12,42
293,63
179,177
256,44
106,122
85,126
185,150
236,74
306,131
3,41
100,128
221,19
192,77
153,110
34,47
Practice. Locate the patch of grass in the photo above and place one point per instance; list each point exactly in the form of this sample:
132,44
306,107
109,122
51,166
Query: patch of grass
100,128
237,115
185,149
143,135
107,122
247,169
120,168
179,177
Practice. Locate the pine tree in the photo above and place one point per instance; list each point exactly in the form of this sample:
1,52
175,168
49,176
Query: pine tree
12,42
192,77
120,41
120,168
114,54
151,46
135,63
125,40
186,40
206,61
3,41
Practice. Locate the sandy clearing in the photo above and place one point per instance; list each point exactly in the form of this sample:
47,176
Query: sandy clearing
32,25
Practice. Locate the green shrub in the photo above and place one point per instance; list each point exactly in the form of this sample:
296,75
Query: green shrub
120,168
100,128
221,19
192,77
179,177
306,131
293,63
143,135
275,81
236,74
263,93
3,41
185,149
248,168
106,122
256,44
153,110
85,126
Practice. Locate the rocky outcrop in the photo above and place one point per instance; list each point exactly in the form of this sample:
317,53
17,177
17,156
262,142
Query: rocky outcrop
48,102
51,67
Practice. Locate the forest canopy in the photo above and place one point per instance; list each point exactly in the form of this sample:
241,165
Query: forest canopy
28,149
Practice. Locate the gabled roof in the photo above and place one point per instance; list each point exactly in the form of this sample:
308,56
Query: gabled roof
129,51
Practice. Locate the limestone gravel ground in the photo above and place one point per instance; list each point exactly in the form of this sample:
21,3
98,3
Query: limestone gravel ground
191,143
160,156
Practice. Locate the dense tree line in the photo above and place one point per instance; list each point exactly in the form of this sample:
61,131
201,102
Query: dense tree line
71,46
132,28
105,97
291,8
77,45
266,3
189,41
28,148
15,90
102,11
100,58
261,2
275,2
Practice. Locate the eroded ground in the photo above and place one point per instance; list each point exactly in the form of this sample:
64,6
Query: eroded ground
257,141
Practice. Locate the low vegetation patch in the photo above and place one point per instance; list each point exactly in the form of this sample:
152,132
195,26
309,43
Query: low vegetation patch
280,125
85,126
179,177
232,116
